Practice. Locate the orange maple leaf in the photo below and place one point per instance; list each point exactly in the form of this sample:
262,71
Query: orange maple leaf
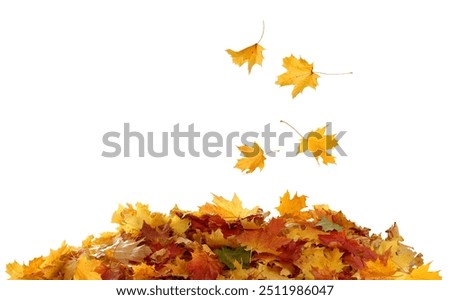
265,239
376,269
203,266
291,207
253,158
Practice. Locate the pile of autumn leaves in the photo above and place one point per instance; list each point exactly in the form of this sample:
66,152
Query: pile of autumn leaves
223,240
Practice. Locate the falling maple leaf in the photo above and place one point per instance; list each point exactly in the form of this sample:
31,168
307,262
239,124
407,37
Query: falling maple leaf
318,144
298,73
253,158
251,55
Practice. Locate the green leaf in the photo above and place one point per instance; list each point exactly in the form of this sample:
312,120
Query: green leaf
228,256
327,225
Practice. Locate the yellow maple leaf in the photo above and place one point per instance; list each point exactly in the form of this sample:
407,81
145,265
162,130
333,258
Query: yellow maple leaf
251,55
421,273
318,143
131,219
228,210
269,273
54,262
400,254
14,270
85,269
309,234
253,158
177,268
216,239
299,73
321,259
144,272
239,273
291,207
378,269
178,225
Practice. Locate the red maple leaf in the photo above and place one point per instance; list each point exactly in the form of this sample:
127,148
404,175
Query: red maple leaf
358,253
203,266
266,239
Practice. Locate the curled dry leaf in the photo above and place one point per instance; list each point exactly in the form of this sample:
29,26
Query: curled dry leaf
251,55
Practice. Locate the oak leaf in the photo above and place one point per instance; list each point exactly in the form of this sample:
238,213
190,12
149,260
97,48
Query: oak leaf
298,73
253,158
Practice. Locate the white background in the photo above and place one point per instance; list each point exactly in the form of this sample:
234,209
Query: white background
72,70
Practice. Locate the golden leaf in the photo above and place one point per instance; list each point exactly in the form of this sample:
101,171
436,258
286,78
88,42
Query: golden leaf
253,158
318,144
85,269
251,55
298,73
291,207
228,210
378,269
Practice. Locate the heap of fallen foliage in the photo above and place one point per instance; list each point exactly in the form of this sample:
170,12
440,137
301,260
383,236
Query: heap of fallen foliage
223,240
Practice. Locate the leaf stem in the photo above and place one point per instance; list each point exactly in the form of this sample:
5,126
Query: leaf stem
281,121
323,73
262,34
